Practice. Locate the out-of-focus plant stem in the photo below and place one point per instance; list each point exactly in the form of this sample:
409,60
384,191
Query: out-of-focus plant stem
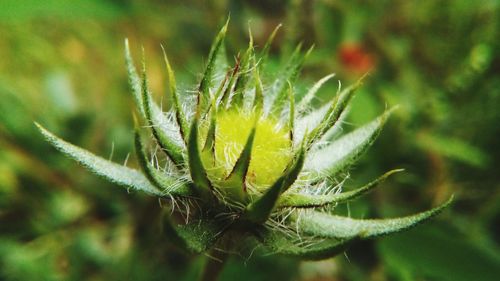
214,265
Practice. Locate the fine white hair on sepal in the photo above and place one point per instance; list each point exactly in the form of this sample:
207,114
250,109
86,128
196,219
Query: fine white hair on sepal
125,162
276,226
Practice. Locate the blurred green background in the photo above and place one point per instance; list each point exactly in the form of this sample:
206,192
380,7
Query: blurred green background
61,64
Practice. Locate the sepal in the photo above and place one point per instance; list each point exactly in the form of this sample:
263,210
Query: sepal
331,226
113,172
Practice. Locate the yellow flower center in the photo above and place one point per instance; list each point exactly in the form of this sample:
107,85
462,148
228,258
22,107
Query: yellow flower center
271,150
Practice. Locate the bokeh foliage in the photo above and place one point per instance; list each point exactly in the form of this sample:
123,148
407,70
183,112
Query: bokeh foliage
62,65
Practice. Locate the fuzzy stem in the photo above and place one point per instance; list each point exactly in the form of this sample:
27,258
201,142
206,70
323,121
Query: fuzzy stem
214,265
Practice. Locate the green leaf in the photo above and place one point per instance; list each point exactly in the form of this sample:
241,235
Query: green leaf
306,100
454,148
282,244
330,226
113,172
166,142
209,74
260,210
167,185
236,179
300,200
343,152
179,112
289,74
436,251
196,169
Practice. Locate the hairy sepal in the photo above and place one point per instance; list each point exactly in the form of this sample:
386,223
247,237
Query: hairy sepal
291,112
197,236
236,179
113,172
331,226
336,110
260,210
302,200
264,53
305,102
180,116
133,79
317,249
278,92
169,186
196,168
136,87
208,151
243,76
258,102
343,152
309,121
210,70
166,141
232,76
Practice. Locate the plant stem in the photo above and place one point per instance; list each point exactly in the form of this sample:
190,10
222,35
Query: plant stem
214,265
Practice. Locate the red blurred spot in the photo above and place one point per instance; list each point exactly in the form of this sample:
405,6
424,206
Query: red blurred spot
354,58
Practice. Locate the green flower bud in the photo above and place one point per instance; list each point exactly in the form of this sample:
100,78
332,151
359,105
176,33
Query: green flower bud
250,158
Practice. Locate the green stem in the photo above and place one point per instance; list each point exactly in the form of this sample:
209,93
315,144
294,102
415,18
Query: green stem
214,265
